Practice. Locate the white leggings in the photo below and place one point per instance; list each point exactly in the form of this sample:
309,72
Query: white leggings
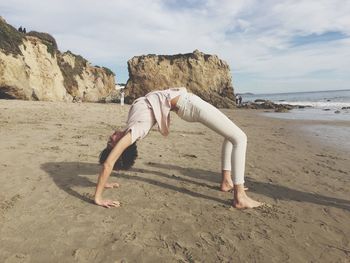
192,108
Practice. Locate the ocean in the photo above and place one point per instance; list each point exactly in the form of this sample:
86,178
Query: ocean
325,106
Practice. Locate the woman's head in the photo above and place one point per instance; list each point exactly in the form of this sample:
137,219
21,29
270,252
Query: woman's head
126,159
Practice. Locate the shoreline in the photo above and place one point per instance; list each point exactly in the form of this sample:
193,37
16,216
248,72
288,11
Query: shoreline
323,128
312,114
172,208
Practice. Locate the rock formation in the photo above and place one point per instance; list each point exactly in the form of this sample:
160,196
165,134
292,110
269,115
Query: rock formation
32,68
269,105
205,75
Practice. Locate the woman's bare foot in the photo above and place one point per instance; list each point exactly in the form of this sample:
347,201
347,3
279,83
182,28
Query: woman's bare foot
111,185
246,202
241,200
226,182
226,186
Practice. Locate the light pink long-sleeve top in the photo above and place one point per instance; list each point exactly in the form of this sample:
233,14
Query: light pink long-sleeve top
161,105
153,108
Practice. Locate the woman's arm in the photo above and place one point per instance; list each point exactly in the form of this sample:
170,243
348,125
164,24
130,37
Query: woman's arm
106,170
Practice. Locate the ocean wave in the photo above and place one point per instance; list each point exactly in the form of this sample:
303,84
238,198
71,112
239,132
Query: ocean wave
318,104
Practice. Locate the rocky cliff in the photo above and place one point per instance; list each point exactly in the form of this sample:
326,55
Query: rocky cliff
32,68
205,75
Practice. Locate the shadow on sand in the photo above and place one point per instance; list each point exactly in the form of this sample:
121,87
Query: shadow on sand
67,175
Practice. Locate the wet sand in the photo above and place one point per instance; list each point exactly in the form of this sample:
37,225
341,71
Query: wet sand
172,209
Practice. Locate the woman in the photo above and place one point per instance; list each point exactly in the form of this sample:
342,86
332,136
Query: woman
155,108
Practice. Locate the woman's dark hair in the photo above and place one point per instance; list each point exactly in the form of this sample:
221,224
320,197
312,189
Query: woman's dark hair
126,159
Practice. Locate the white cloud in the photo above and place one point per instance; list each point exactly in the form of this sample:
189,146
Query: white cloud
253,36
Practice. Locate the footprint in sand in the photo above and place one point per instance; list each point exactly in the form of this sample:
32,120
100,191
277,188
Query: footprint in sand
8,204
18,258
129,237
85,254
267,210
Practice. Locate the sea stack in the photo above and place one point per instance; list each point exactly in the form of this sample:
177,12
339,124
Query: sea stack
205,75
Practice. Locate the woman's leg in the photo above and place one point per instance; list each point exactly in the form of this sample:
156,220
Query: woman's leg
235,144
234,148
226,154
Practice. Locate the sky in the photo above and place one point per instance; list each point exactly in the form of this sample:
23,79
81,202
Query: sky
271,46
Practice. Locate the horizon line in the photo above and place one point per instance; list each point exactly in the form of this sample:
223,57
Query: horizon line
315,91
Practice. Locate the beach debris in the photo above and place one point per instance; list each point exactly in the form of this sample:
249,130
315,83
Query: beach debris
190,155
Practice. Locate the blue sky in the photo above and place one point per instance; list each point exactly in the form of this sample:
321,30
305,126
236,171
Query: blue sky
271,46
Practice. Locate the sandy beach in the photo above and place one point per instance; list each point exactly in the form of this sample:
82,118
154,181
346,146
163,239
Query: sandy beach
172,209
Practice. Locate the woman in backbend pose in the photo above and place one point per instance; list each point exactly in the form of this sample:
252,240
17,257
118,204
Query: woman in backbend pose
155,108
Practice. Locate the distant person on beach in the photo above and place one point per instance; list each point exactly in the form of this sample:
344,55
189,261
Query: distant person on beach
238,100
155,107
122,94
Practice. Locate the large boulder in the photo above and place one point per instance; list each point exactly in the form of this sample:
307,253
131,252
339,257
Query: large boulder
205,75
32,68
269,105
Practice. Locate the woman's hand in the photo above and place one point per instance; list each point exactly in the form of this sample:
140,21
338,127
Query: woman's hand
107,203
107,169
111,185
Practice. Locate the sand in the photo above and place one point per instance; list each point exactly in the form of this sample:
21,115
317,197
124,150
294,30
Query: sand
172,209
